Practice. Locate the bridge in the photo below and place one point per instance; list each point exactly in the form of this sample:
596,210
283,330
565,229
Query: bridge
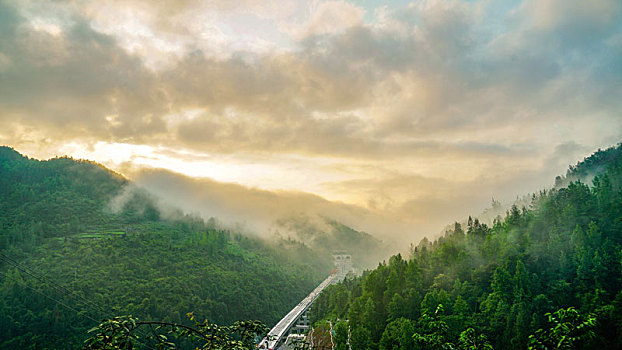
297,319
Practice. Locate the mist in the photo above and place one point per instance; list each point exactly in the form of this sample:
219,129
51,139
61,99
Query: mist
267,214
260,212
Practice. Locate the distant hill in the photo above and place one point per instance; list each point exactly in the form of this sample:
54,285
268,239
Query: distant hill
546,276
78,243
590,167
327,235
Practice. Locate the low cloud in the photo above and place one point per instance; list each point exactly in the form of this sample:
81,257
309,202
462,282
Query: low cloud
400,209
258,211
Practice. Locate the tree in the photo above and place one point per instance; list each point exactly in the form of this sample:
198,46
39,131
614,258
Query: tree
470,340
434,332
568,330
398,335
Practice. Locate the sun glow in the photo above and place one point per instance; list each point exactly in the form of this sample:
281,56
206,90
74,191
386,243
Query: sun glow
271,172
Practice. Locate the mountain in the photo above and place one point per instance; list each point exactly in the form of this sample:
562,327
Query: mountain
79,243
546,276
325,235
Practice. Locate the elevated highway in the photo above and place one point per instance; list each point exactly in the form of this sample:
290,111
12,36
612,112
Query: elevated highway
277,335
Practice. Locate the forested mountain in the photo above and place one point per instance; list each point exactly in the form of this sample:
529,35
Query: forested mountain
77,246
326,235
547,276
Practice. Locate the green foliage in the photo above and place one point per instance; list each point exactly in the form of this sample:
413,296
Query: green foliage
434,332
568,329
398,335
127,332
436,335
501,283
470,340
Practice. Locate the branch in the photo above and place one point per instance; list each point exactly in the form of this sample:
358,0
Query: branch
192,329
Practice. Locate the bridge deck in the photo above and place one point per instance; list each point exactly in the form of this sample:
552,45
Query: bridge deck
279,332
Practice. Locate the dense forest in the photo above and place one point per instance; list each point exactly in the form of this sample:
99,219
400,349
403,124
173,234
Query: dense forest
79,244
546,276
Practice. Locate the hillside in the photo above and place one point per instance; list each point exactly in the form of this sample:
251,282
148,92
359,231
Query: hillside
325,235
546,276
78,244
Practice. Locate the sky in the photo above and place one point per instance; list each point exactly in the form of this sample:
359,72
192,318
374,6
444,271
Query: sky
397,117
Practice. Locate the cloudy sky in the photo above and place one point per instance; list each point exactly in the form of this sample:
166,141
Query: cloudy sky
411,112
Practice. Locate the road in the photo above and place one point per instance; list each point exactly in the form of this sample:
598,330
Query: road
279,332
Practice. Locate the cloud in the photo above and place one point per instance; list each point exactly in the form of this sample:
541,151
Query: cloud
360,87
399,208
68,83
257,211
329,17
574,21
435,93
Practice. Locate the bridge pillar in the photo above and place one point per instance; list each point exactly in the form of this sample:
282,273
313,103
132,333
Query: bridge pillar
343,264
302,324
